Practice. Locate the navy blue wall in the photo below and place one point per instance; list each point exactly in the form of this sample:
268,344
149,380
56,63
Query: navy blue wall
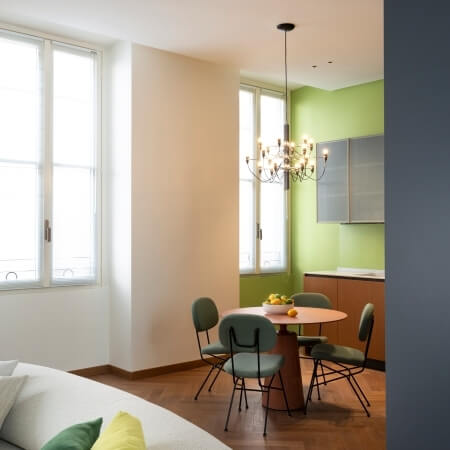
417,130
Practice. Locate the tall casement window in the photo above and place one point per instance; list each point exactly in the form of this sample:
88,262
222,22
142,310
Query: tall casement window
263,211
49,142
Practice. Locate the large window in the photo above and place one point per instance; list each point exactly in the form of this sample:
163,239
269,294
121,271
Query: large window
263,212
49,122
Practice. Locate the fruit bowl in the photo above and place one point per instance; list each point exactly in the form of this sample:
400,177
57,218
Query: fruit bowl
277,309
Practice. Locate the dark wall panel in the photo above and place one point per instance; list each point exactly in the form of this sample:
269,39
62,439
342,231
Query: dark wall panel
417,208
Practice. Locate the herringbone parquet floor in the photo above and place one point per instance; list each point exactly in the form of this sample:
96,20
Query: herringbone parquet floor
337,422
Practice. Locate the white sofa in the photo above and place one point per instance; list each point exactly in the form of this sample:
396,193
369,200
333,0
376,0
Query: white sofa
52,400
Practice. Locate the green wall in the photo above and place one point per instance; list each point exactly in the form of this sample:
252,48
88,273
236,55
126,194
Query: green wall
256,288
327,115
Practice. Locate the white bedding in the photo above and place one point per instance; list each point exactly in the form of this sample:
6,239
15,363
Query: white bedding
52,400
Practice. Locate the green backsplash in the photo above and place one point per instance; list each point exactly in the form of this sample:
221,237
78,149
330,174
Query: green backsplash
325,115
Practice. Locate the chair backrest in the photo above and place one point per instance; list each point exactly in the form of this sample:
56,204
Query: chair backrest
204,314
366,322
244,328
312,300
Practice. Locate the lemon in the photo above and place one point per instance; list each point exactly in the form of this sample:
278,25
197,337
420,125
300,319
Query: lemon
275,301
292,312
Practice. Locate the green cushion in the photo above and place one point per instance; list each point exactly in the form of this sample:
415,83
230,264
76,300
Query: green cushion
366,321
312,300
338,353
244,327
246,365
204,314
77,437
311,340
215,348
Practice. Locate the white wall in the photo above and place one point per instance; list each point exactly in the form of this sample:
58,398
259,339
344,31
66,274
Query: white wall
117,170
65,327
184,200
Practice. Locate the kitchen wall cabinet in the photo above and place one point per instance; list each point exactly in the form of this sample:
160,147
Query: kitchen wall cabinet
352,187
350,295
333,188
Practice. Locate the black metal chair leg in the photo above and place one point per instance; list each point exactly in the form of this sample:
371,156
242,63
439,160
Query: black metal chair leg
359,398
245,393
360,390
267,405
311,384
284,394
317,387
240,397
231,404
323,373
204,382
219,369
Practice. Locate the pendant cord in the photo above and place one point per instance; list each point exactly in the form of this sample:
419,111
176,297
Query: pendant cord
285,75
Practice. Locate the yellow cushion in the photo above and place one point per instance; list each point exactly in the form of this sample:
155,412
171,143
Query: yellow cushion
123,433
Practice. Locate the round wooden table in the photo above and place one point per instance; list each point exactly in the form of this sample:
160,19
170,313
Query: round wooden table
287,346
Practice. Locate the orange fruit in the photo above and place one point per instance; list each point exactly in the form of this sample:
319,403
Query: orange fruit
292,312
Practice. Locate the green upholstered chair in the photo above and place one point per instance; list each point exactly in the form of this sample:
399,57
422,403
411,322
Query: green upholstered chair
247,337
312,300
350,361
205,316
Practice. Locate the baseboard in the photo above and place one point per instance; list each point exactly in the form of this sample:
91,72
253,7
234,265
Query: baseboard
92,371
145,373
376,365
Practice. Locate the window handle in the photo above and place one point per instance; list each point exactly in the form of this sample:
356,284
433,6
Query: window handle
47,231
258,232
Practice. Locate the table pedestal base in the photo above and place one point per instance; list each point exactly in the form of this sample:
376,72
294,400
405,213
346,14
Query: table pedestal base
292,378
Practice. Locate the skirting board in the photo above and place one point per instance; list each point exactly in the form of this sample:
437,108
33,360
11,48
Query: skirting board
108,368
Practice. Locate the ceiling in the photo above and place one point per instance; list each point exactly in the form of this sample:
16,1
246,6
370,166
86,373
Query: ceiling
241,33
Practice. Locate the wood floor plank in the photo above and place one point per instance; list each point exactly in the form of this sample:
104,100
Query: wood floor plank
337,422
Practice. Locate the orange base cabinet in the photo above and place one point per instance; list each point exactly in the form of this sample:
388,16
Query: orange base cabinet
350,295
329,287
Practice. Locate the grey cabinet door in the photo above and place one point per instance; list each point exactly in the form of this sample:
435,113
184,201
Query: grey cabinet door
332,189
367,179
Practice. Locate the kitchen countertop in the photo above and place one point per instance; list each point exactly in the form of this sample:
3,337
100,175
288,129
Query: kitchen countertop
347,272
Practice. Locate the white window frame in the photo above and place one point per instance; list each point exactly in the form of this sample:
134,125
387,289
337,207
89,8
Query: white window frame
46,160
259,89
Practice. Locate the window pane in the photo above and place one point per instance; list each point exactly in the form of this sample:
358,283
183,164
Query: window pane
73,223
246,132
20,150
19,249
73,107
20,99
273,246
246,227
272,119
74,175
273,224
247,245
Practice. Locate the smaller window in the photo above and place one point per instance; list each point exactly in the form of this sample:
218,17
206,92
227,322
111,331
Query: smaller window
263,212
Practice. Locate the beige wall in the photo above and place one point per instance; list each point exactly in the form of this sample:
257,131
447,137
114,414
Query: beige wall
117,197
184,200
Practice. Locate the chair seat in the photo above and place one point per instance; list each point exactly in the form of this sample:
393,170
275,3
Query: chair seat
246,365
214,348
338,353
311,340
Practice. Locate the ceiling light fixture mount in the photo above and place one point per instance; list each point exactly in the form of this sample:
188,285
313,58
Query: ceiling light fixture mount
286,160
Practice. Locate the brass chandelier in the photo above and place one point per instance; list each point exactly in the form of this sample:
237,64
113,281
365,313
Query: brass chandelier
286,160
